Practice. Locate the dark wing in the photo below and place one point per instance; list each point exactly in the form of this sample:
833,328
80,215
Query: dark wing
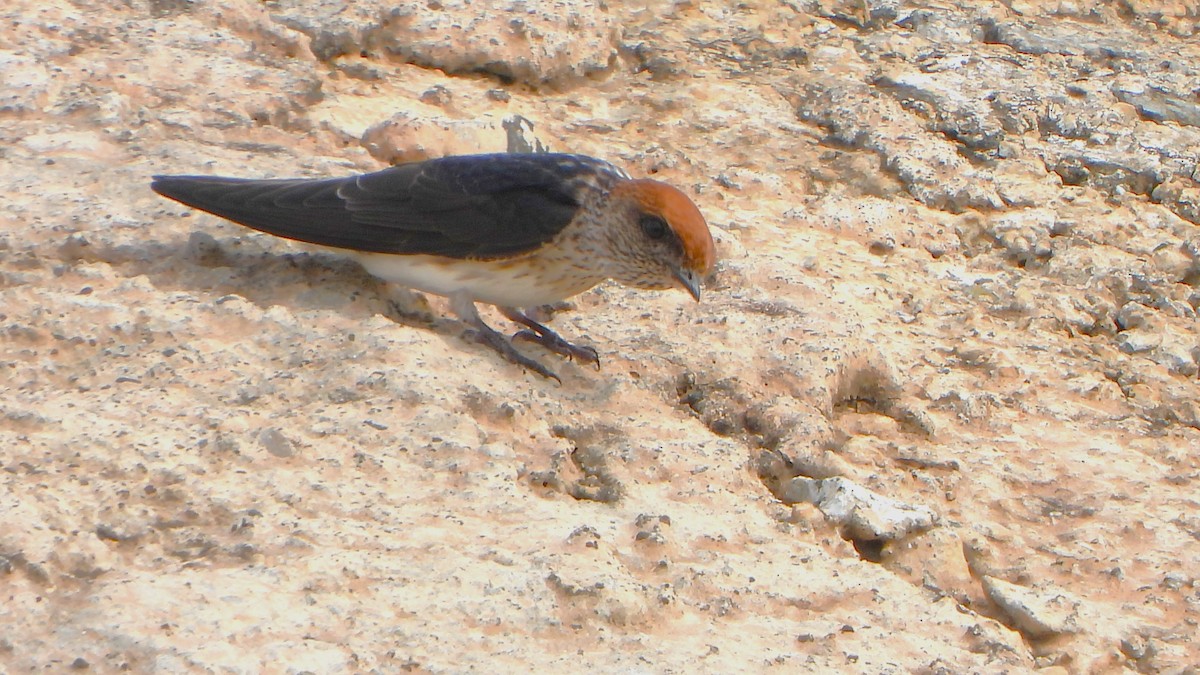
474,206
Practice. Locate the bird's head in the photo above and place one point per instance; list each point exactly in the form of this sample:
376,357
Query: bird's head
662,241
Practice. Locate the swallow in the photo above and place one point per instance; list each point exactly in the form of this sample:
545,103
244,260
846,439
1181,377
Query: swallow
513,230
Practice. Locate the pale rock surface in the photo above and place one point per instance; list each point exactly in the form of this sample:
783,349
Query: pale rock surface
959,271
1039,614
547,42
861,513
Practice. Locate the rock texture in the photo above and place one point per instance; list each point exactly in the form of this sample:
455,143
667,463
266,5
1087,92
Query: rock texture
937,413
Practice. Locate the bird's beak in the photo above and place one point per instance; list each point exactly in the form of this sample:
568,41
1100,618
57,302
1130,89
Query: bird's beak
690,281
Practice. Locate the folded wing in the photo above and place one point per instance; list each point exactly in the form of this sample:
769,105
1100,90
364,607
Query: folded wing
478,207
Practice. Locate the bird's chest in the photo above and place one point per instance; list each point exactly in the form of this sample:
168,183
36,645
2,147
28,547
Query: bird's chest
516,282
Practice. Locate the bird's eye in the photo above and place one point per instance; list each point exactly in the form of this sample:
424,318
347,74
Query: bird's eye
654,227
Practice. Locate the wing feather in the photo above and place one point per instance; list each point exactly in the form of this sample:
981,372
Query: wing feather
480,207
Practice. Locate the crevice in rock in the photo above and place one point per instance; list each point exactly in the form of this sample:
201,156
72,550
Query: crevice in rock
797,465
582,472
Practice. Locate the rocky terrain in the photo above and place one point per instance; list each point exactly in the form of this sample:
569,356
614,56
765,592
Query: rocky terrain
937,413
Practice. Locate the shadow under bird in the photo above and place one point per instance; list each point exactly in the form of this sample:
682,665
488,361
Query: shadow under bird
512,230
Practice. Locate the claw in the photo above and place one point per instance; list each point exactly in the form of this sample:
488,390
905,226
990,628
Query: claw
487,336
482,333
556,344
547,338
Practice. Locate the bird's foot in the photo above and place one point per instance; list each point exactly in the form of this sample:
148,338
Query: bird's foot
555,343
536,332
484,335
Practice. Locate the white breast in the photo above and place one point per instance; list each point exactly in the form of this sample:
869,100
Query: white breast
532,283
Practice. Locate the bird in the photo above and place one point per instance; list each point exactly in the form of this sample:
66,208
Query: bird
514,230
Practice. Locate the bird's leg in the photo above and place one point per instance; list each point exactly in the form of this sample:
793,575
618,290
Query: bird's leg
543,313
548,338
482,333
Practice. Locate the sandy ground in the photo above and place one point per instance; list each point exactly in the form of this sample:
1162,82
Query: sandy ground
937,413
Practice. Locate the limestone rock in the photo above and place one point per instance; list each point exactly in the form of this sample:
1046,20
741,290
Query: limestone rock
535,43
861,513
1038,614
959,269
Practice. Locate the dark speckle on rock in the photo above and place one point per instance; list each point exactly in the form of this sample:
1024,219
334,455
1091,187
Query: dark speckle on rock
276,443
